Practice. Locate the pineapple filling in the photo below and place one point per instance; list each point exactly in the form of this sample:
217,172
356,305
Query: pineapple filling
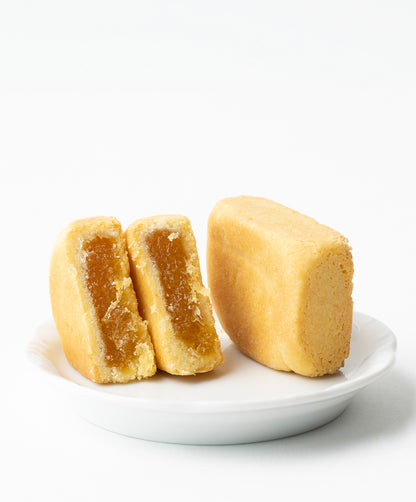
167,252
104,280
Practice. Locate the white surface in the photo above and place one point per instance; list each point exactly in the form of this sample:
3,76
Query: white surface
240,402
135,108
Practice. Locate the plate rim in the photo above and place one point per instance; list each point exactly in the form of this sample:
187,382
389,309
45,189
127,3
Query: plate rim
387,351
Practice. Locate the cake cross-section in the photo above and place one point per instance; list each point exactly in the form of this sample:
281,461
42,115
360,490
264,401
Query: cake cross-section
94,303
281,285
172,299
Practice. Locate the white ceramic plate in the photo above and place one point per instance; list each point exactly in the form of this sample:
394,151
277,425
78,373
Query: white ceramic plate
239,402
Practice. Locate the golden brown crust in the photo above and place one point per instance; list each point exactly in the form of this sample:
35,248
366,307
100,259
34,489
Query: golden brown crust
281,285
173,353
73,309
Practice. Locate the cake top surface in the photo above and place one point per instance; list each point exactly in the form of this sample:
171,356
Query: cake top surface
92,224
277,219
160,221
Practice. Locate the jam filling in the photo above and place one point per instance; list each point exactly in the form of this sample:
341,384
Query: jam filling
167,252
104,279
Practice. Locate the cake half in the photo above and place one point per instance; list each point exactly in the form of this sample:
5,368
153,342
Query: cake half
94,304
166,274
281,285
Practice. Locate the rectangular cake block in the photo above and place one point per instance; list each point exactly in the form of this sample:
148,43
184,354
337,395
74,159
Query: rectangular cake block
166,274
281,285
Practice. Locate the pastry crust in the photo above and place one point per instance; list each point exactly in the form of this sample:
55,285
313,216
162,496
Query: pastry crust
177,351
281,285
78,322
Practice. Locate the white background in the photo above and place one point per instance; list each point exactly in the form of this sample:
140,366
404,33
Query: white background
132,108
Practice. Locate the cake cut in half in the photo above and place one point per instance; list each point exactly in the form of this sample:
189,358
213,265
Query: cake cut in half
166,274
94,303
281,285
